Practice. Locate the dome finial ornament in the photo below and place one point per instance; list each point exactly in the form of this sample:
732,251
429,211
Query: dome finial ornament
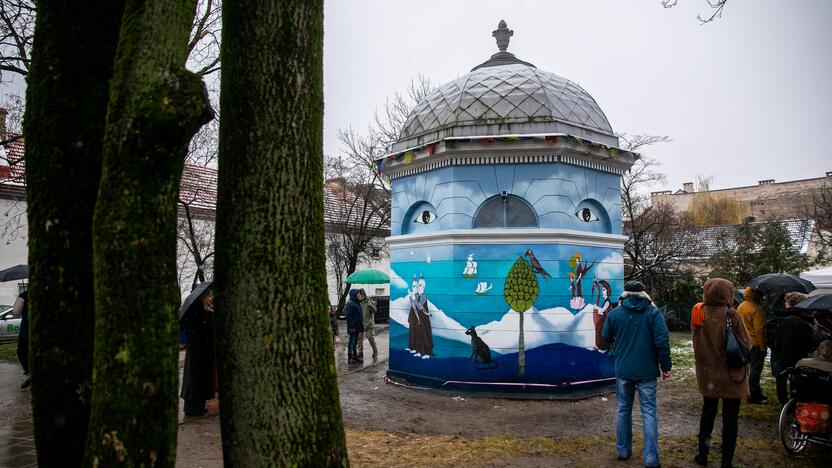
503,35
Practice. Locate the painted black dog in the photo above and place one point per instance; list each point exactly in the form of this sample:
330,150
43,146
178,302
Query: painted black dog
480,352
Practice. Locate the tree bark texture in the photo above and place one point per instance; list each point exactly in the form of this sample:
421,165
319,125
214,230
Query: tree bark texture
155,108
66,105
278,389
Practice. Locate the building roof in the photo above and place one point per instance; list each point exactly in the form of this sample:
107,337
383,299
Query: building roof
346,211
198,189
506,95
714,239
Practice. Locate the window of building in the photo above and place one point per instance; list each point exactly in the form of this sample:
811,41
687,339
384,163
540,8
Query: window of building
505,211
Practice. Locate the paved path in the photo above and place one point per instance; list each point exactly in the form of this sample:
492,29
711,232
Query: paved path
17,444
198,437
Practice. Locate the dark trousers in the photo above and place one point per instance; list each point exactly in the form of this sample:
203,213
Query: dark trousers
755,368
23,354
352,346
782,382
194,407
730,412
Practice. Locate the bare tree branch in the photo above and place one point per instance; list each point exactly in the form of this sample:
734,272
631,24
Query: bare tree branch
716,6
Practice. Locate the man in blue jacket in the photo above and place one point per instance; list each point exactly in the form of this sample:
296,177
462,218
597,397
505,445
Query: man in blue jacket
355,322
639,338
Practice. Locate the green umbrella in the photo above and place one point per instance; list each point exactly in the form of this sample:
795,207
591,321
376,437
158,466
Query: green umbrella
368,276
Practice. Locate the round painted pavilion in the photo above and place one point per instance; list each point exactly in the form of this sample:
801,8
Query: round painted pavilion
506,248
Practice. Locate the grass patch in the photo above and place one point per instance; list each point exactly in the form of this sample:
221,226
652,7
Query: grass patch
8,351
370,448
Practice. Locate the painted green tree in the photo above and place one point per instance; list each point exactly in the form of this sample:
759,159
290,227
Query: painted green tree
521,291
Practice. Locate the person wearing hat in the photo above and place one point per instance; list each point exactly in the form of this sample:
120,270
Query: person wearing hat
641,344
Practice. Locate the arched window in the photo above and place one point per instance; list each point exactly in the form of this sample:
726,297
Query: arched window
507,211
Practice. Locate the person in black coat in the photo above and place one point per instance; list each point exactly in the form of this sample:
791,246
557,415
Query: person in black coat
200,361
21,308
355,322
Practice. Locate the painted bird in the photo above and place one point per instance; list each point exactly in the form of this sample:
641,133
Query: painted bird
536,266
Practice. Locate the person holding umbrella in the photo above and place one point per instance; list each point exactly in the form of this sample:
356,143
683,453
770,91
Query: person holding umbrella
196,316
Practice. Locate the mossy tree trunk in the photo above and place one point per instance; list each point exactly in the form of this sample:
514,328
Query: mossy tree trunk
278,389
155,108
66,105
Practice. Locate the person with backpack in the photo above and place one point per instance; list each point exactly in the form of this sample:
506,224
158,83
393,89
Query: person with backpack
715,380
640,342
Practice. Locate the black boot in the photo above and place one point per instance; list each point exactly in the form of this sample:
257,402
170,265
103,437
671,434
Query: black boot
701,458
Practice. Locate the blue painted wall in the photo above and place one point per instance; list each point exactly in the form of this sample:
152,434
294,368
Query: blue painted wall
559,330
555,191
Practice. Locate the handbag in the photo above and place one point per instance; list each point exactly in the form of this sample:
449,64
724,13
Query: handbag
736,353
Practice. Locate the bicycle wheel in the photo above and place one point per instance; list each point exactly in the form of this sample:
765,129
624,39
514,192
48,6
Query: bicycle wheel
793,440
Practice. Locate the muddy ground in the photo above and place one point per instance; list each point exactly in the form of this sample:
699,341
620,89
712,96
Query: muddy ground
389,425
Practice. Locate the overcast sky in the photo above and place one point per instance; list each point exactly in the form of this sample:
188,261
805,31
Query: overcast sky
745,98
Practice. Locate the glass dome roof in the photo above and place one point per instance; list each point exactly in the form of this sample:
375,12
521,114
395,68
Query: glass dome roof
505,96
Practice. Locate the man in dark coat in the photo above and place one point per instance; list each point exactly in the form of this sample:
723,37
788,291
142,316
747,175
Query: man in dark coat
641,345
200,361
355,322
21,308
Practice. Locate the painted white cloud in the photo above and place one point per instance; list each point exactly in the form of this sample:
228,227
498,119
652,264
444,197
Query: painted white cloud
612,266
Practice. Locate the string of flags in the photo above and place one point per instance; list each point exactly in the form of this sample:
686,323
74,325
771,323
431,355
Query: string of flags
407,156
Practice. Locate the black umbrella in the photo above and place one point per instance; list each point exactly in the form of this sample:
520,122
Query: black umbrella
14,273
819,302
194,296
781,283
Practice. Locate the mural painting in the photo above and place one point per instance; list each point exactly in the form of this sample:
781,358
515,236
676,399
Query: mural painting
509,308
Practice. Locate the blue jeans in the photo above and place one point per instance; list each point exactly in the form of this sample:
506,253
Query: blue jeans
625,390
352,346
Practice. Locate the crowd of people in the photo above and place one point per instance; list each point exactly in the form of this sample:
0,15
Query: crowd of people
636,333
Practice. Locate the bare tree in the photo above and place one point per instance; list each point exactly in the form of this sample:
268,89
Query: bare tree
17,29
821,211
657,238
716,9
357,214
357,196
389,122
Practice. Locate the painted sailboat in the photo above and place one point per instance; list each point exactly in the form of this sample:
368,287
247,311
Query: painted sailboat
483,288
470,270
